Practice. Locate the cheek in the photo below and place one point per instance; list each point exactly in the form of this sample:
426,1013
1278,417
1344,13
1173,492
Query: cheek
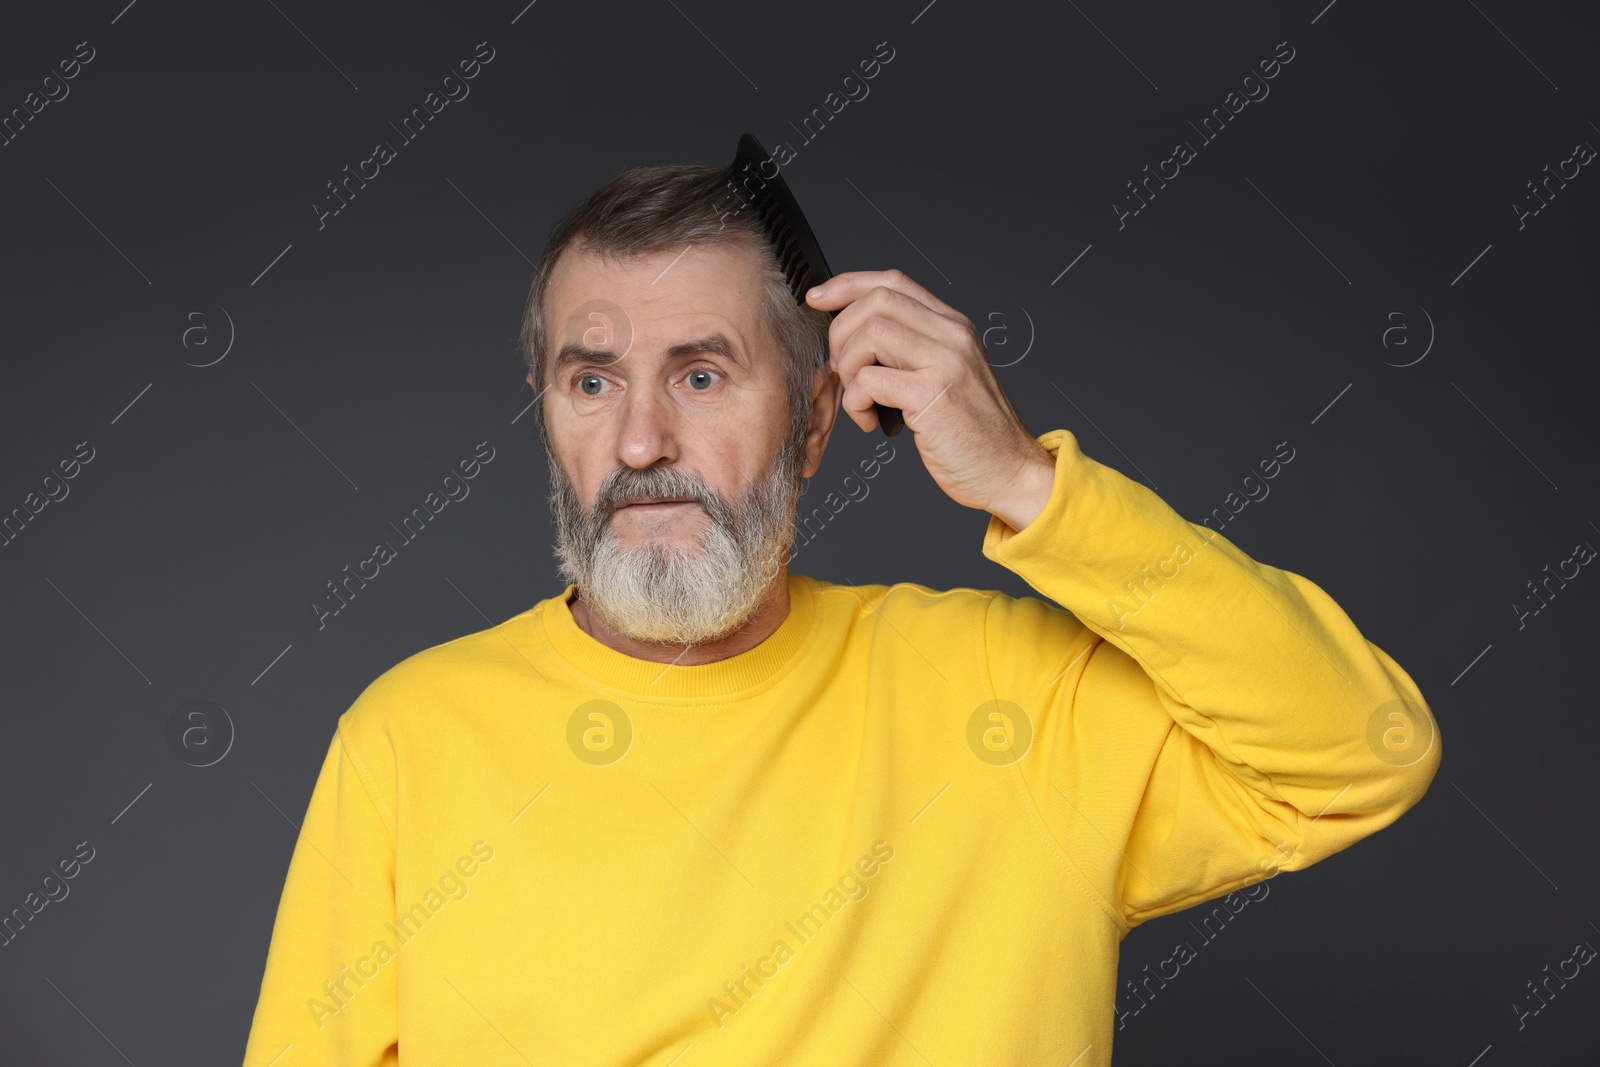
581,462
729,456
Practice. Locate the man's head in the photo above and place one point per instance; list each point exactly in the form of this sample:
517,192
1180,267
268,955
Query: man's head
672,363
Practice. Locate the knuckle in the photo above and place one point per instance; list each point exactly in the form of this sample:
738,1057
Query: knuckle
835,333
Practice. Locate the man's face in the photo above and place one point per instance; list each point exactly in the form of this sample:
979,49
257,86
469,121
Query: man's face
662,383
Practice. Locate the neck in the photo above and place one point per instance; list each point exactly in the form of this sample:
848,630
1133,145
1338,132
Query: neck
767,618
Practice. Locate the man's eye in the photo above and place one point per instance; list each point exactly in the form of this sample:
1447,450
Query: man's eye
701,379
591,384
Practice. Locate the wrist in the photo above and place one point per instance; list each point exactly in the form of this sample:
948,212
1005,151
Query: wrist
1029,492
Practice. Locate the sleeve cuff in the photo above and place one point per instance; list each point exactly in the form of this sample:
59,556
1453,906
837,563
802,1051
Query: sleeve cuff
1063,445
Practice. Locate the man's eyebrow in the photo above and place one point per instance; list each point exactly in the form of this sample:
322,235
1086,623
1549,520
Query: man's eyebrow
578,352
715,342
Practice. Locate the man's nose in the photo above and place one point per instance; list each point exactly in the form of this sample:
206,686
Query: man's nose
648,430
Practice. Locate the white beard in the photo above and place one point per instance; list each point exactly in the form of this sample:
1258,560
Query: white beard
672,594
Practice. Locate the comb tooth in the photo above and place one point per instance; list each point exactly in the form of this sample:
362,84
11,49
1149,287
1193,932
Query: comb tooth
791,261
786,247
795,274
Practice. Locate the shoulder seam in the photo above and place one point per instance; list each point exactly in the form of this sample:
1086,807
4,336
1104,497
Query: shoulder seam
1053,847
365,777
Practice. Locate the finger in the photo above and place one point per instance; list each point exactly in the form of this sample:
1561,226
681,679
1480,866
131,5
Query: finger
875,385
881,302
841,289
887,342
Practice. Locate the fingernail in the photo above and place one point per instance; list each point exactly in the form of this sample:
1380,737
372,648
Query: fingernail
815,292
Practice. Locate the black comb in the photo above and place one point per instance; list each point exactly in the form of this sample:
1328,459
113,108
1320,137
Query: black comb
781,220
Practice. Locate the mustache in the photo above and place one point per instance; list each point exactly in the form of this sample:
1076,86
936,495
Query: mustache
627,483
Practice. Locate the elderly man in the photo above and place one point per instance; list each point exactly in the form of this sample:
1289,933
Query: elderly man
698,810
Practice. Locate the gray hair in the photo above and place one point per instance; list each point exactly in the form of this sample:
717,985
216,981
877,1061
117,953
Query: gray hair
661,207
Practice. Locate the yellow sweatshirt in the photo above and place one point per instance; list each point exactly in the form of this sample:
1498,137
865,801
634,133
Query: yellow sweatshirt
910,827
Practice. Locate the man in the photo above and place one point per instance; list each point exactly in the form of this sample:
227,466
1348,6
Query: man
698,810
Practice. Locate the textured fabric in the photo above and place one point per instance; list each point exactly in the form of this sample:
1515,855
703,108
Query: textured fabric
911,826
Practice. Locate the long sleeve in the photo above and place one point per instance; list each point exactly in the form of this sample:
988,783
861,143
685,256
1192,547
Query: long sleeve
1199,720
328,994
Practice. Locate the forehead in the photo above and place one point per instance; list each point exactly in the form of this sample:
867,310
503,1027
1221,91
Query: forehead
665,296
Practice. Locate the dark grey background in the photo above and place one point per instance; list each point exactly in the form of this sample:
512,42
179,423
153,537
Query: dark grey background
1245,306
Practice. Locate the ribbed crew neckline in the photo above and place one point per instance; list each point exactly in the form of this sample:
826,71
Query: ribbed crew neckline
727,678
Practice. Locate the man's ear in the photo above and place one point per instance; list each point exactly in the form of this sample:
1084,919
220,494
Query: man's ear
826,389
